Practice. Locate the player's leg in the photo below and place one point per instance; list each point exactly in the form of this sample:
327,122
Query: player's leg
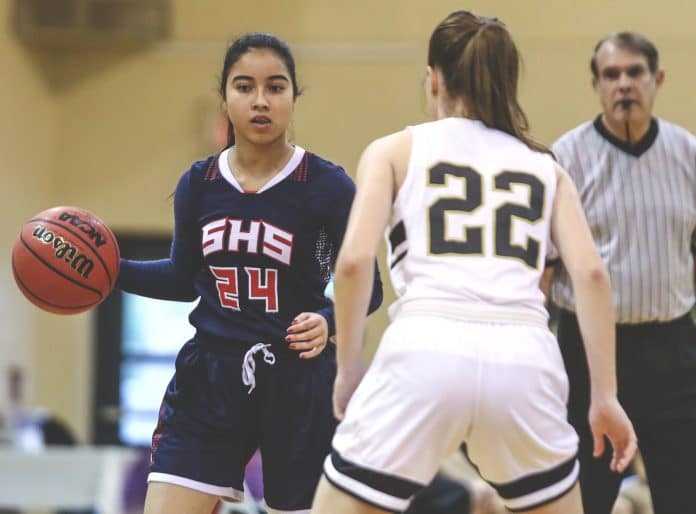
163,498
599,485
569,503
444,495
331,500
205,434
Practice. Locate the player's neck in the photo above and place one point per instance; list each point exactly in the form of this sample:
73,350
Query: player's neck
452,109
251,162
636,129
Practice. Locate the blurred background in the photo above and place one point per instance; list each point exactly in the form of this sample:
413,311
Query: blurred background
104,103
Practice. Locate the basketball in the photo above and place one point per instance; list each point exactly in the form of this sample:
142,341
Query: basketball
65,260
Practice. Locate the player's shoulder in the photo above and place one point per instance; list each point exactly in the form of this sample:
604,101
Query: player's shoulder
199,173
204,168
323,165
322,170
191,182
441,127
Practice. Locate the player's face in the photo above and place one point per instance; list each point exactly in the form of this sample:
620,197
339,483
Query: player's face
259,97
624,75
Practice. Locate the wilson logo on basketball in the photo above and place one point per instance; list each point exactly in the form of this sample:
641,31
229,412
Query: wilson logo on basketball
66,251
84,226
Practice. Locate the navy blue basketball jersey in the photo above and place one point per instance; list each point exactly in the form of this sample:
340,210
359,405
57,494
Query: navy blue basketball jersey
256,259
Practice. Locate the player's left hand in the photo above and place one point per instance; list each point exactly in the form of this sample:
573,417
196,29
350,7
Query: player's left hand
607,418
308,334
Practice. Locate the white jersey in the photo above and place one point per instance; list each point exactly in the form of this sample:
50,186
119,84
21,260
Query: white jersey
471,222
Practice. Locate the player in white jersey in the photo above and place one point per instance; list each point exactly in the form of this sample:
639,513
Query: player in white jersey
484,193
471,204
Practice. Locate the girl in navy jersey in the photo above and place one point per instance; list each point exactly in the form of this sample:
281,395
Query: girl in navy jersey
257,228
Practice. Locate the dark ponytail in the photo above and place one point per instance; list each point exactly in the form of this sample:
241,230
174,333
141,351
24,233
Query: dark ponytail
480,63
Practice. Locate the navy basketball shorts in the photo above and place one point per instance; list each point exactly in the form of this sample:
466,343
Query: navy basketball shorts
438,383
210,424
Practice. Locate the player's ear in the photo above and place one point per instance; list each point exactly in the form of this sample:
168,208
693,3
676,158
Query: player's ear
433,80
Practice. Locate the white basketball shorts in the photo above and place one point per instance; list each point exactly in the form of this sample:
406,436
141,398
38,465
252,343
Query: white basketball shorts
438,383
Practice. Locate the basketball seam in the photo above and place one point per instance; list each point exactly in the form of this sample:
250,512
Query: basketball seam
37,297
69,278
77,235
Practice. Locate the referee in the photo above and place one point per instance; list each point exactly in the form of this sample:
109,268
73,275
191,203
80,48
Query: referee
636,176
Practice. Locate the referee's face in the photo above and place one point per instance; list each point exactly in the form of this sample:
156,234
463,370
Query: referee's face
625,85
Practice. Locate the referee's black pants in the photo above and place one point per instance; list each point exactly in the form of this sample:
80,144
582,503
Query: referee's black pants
656,374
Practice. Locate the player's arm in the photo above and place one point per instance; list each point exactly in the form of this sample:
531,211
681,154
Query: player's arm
562,154
171,278
595,311
546,279
369,216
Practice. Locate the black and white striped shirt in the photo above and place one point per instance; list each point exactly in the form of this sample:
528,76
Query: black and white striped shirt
640,203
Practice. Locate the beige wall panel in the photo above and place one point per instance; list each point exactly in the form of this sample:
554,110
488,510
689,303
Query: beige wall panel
390,20
112,130
28,135
132,133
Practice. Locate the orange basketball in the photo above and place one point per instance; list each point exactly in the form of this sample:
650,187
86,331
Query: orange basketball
65,260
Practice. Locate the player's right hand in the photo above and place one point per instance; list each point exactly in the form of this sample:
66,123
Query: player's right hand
607,418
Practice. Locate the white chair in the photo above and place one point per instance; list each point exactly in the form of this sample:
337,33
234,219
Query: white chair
76,477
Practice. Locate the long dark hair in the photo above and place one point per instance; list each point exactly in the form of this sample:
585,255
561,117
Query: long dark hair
244,44
480,63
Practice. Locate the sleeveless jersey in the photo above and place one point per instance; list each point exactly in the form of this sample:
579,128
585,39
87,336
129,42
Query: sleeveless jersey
471,222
